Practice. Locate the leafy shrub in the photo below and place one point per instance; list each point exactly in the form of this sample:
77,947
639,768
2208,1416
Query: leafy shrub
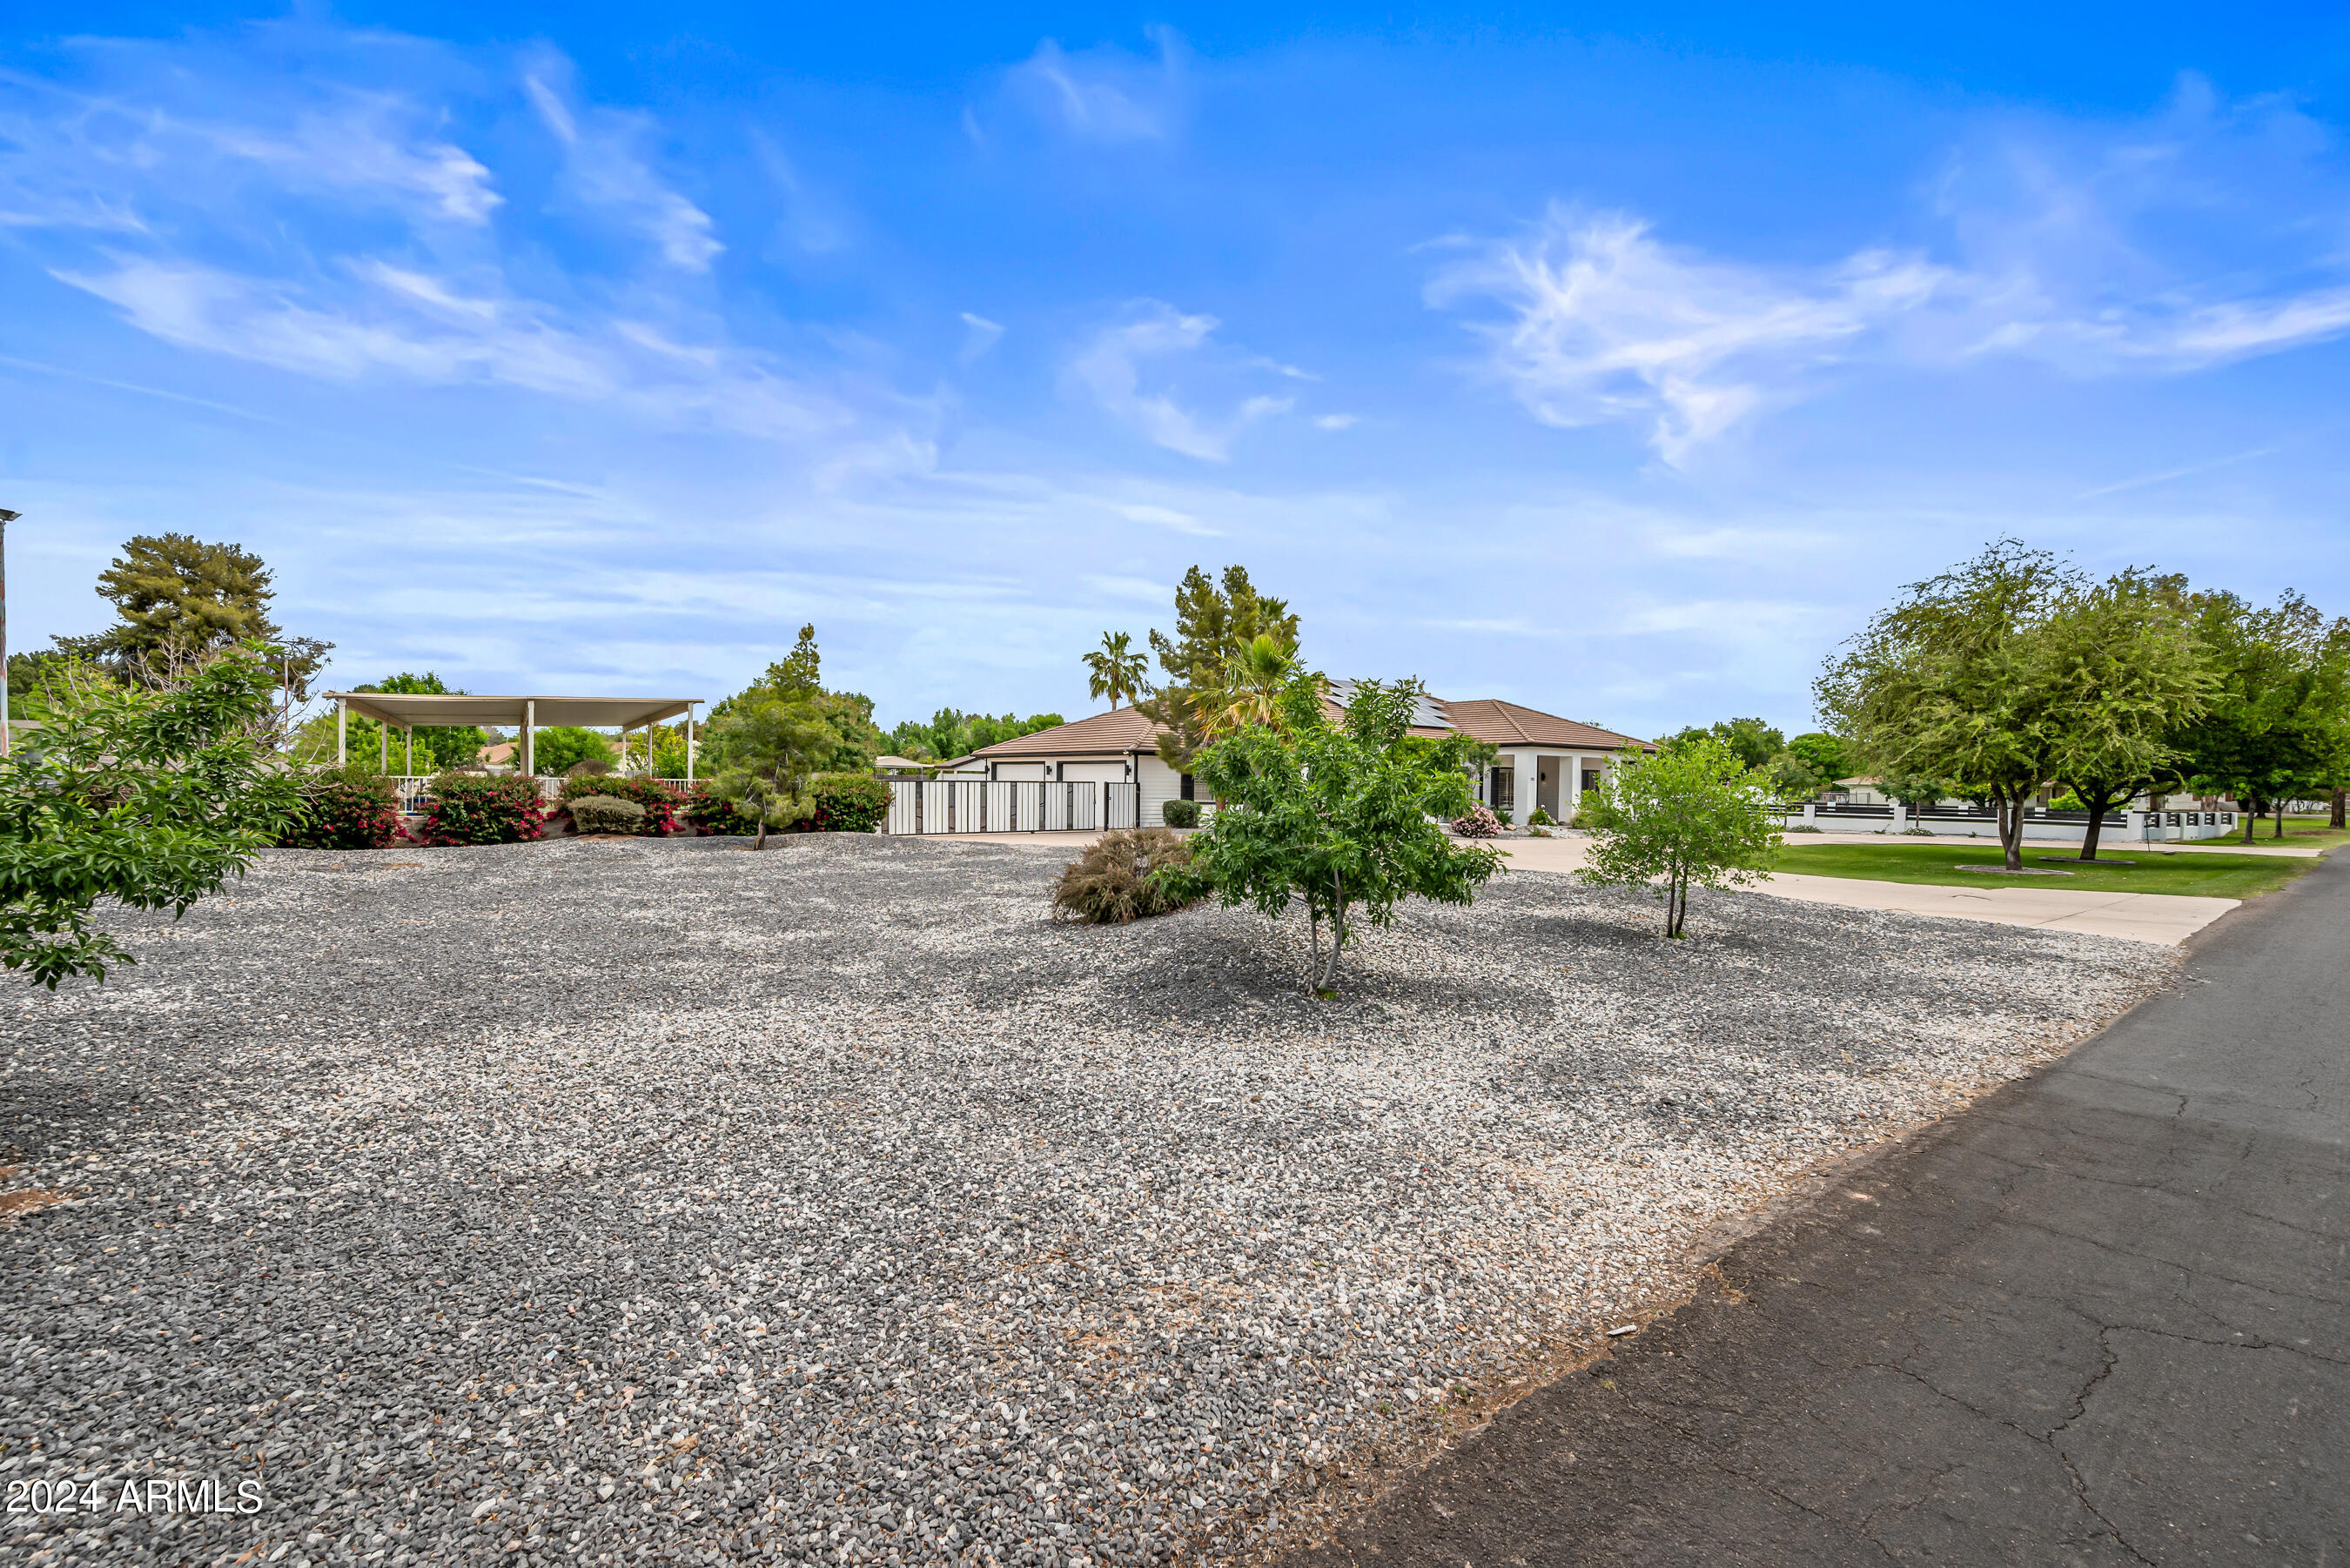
587,768
604,814
1588,811
481,808
848,802
352,807
659,800
1113,882
1541,818
1181,814
715,813
1477,822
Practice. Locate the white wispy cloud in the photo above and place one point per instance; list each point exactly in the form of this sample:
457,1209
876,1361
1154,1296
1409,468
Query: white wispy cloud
2153,248
1601,322
607,172
1110,367
1105,95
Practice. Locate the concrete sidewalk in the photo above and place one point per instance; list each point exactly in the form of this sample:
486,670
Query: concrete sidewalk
2100,1318
2141,917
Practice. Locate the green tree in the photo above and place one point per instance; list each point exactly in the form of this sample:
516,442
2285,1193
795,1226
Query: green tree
1828,754
39,683
771,746
556,750
1753,741
1954,681
1213,627
1791,777
1692,814
950,734
1345,818
151,797
852,739
177,599
2277,724
1253,683
2129,668
1116,670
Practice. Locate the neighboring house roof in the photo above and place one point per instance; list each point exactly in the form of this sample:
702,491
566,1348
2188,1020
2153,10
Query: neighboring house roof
1489,720
496,755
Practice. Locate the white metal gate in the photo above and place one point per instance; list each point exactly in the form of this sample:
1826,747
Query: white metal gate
982,805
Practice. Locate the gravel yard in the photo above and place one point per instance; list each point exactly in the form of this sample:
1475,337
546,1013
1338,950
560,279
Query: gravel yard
612,1201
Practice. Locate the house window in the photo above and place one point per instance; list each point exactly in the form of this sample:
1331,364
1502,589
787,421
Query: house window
1187,787
1591,778
1501,792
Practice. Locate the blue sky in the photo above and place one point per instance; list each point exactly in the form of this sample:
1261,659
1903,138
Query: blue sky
1616,361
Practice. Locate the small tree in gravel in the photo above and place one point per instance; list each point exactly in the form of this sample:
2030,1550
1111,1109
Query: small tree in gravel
147,797
1690,814
1346,817
771,746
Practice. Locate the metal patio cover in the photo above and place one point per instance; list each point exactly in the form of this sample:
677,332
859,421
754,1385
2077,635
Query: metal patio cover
404,709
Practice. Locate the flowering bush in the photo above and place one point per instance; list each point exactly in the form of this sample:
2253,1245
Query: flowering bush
715,813
344,808
1477,822
848,802
659,801
479,808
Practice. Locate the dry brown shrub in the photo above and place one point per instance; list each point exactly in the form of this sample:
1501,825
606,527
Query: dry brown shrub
1110,883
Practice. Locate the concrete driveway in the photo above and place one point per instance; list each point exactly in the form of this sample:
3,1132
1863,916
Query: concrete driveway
2140,917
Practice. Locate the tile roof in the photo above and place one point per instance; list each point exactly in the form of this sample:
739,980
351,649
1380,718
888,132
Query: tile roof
1107,734
1500,723
1489,720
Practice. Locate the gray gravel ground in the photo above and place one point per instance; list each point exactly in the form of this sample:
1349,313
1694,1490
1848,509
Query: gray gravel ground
619,1201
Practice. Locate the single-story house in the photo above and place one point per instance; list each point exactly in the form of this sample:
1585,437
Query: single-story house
1557,759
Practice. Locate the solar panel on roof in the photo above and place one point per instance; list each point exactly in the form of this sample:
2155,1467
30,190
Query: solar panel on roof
1425,713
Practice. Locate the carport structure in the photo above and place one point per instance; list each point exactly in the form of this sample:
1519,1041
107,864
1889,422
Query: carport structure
406,710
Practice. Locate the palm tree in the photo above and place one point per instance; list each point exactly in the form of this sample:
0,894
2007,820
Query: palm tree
1253,683
1116,669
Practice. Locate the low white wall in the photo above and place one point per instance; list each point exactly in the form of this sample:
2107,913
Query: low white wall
2137,826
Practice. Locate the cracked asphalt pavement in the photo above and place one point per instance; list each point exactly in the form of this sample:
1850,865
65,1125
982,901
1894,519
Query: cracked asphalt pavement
2097,1318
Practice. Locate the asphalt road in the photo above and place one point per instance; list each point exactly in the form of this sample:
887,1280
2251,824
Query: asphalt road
2102,1317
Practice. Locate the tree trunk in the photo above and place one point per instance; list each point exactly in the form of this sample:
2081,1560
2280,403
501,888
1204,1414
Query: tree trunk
1676,905
2342,808
2011,826
2096,802
2280,826
2252,804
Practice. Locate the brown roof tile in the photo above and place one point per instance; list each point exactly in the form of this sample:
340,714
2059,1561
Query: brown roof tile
1489,720
1500,723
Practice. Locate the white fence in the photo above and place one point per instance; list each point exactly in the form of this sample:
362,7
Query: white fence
2039,821
978,805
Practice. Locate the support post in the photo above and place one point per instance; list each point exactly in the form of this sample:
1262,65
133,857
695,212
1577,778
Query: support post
1900,816
409,766
529,739
7,517
689,748
342,732
383,749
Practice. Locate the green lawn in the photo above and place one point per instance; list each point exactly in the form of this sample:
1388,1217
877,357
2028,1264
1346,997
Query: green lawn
2305,833
2204,873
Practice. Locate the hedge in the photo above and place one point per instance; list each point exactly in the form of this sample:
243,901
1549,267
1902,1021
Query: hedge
659,801
351,807
848,802
483,808
845,802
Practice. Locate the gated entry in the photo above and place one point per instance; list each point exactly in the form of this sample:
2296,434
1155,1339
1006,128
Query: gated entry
982,805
